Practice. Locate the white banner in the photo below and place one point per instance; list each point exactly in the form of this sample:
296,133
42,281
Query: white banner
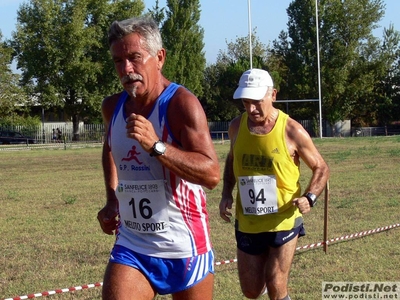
360,290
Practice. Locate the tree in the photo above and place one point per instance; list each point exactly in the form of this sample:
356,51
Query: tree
221,78
12,97
220,81
348,70
347,48
62,51
384,106
157,13
183,41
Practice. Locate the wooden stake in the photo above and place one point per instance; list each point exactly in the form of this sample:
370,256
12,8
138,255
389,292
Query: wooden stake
326,217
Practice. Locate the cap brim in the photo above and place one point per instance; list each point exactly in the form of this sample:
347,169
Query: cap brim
250,93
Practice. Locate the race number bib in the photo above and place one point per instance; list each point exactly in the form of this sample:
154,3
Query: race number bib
143,206
258,194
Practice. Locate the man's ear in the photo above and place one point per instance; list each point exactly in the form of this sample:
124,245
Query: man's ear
161,58
273,94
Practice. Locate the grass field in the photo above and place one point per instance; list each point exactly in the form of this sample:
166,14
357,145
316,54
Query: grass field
50,237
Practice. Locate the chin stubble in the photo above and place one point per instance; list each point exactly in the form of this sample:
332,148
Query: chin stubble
130,78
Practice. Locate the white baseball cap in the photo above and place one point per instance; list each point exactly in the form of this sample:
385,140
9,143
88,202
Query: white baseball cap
253,84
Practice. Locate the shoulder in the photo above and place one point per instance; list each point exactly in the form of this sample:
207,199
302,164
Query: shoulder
111,101
294,128
108,106
297,136
185,105
184,98
185,113
234,128
235,123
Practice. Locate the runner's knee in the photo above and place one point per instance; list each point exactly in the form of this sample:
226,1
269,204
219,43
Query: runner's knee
251,294
277,287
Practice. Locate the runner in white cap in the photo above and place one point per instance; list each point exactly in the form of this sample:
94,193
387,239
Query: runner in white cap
264,164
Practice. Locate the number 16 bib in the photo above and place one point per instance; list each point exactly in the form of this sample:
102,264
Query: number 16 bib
143,207
258,194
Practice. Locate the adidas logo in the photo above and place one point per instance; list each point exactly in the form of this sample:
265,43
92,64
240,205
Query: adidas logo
276,151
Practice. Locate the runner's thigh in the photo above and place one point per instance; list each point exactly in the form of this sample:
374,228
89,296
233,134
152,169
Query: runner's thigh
280,260
125,283
203,290
251,270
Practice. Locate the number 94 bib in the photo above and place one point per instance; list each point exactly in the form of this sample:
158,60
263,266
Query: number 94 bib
143,207
258,194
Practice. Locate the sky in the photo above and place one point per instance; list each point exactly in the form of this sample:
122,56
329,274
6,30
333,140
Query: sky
224,21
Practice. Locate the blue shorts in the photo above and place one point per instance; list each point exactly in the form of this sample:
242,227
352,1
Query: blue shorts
258,243
167,276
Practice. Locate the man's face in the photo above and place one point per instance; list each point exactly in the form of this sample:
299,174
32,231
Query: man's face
259,110
135,67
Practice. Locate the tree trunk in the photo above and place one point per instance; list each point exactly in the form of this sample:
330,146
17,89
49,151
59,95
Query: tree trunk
75,127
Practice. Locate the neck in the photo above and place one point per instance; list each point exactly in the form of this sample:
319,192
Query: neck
271,118
265,126
142,104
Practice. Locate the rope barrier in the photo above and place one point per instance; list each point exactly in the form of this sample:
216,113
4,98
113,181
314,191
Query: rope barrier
310,246
346,237
226,262
58,291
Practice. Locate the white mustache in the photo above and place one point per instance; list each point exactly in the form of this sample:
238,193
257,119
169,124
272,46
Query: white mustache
131,77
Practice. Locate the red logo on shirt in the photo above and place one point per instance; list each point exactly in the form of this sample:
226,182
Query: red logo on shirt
132,155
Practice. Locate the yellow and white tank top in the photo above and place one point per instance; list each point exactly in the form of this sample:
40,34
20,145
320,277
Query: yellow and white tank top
160,213
267,180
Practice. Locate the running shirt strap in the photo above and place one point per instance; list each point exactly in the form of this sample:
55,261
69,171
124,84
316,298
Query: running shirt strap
167,276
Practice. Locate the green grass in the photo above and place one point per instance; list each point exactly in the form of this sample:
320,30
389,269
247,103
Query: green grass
50,237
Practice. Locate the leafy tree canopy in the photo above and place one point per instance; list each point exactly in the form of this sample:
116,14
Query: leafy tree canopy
62,51
12,98
183,41
353,61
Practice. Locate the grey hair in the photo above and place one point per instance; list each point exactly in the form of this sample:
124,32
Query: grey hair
146,27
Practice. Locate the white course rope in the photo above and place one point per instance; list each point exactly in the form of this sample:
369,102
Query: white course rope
310,246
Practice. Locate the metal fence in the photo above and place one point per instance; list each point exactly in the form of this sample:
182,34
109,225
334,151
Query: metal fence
43,134
375,131
94,133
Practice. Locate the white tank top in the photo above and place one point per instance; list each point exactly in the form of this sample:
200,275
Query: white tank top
161,214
